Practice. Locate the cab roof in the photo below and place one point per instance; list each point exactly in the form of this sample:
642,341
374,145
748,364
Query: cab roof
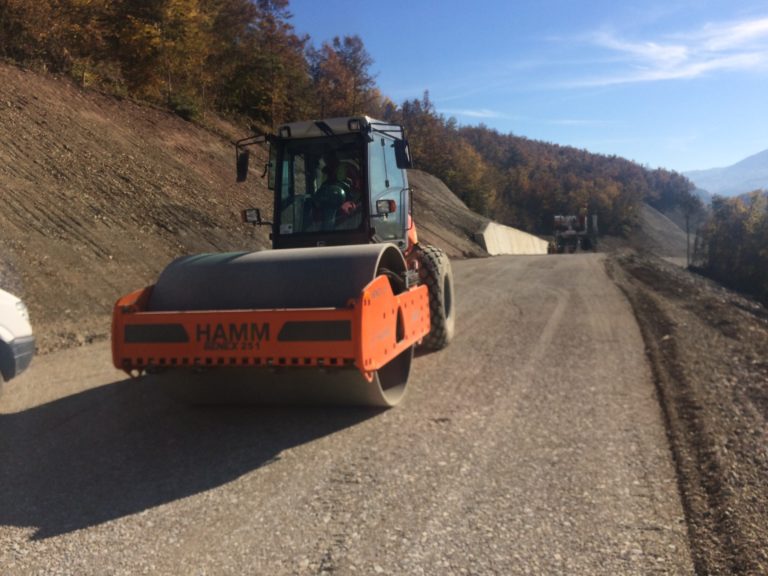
337,126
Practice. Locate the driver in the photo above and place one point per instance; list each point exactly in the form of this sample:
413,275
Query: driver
349,174
338,200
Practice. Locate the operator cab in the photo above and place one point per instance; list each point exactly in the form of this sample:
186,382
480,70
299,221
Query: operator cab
336,182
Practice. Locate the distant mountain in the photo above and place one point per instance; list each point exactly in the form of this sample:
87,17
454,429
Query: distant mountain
745,176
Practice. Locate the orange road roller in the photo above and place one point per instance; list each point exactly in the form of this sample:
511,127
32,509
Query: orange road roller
332,313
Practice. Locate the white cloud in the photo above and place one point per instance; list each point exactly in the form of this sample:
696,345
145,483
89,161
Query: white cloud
717,37
661,55
715,47
577,122
474,113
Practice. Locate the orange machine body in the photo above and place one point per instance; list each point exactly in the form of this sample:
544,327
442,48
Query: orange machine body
368,333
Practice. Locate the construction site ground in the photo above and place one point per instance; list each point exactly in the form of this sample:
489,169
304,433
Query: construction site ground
100,193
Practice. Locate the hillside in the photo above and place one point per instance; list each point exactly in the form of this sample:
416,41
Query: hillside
659,235
100,193
442,218
744,176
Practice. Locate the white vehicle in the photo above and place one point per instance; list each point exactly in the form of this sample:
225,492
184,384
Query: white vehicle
17,344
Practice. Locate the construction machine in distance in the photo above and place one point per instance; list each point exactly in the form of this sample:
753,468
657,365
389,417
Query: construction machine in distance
332,313
574,232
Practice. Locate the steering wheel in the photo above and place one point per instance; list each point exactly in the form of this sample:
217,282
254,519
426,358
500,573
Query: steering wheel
327,204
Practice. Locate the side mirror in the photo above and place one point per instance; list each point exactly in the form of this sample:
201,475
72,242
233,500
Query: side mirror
253,216
243,157
402,154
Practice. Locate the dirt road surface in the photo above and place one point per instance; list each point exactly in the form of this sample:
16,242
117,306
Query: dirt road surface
534,444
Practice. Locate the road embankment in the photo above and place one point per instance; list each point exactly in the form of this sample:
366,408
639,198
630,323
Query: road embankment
708,348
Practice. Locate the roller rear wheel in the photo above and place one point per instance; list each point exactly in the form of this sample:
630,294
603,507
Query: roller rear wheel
437,275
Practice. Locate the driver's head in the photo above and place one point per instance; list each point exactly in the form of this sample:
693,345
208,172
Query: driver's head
350,173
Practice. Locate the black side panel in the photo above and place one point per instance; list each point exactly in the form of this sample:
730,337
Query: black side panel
331,331
155,333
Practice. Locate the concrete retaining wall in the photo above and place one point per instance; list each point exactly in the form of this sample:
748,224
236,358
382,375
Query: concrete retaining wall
499,239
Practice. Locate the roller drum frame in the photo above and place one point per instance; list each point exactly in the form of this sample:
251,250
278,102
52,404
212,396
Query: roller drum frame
295,386
323,325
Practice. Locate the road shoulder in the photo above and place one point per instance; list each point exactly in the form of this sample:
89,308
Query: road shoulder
707,348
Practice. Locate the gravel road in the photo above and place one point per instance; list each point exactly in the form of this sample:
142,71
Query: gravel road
534,444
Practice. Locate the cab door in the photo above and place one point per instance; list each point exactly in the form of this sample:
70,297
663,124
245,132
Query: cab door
387,182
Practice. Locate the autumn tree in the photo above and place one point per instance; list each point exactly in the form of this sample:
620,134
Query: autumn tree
282,74
437,148
341,78
734,243
162,46
31,32
232,44
89,40
356,60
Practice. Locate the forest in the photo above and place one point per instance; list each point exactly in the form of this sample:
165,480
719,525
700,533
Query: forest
733,243
244,60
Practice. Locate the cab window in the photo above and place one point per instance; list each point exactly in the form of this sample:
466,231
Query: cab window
322,185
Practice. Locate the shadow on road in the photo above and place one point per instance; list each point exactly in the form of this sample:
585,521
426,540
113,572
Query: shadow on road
126,447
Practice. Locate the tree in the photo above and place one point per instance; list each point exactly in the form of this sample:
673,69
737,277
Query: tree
89,40
282,72
734,242
357,62
162,46
341,79
32,32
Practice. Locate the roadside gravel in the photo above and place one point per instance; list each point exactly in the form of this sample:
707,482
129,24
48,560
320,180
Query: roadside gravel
708,348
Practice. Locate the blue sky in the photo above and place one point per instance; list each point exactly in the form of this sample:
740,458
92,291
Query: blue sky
674,84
